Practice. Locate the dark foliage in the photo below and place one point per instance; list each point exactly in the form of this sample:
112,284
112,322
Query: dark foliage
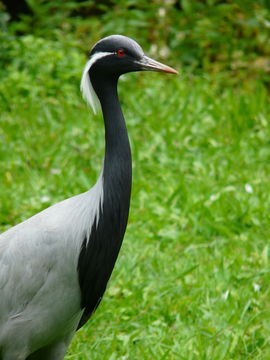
227,38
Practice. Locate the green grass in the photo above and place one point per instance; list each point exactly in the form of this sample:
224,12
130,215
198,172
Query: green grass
192,278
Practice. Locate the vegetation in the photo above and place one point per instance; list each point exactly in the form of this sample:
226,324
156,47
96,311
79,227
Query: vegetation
192,279
227,38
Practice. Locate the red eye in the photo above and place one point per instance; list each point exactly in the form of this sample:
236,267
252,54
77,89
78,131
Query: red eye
120,52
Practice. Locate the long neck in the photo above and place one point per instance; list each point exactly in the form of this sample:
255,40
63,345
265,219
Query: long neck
117,172
99,253
117,162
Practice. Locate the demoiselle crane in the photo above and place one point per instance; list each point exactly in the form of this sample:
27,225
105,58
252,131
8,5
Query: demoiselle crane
54,267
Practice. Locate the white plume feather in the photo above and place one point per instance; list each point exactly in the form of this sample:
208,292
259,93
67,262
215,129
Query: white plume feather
87,89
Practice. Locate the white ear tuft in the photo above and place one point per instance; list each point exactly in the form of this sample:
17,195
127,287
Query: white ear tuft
87,89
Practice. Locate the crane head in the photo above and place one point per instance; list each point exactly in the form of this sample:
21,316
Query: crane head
113,56
125,55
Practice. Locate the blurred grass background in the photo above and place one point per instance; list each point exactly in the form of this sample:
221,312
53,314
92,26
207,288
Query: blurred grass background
192,279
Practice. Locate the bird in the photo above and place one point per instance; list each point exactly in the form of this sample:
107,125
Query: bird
55,266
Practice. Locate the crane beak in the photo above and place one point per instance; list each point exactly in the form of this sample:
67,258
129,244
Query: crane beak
148,64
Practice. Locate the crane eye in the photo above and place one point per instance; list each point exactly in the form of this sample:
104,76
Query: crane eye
120,52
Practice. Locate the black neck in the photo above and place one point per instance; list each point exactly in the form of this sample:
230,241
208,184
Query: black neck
98,255
117,172
117,161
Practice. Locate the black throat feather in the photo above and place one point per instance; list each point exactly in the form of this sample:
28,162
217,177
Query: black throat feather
99,253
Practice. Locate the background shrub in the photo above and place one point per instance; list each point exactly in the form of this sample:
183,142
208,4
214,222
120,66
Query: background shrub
229,39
